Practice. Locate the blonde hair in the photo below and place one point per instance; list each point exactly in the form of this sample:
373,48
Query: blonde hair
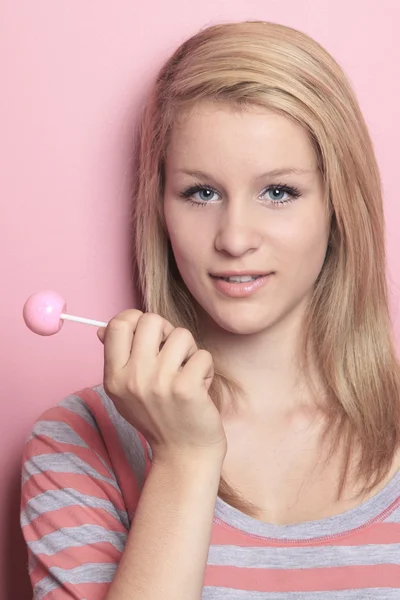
256,63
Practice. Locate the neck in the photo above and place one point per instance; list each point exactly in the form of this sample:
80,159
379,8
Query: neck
265,364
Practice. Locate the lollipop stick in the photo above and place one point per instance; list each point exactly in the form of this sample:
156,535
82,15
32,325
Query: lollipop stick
82,320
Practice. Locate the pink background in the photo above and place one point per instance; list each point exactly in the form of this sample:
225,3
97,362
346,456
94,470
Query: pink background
73,74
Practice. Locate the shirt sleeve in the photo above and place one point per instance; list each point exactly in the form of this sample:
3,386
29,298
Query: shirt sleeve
73,517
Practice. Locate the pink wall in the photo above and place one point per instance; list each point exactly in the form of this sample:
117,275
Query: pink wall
72,76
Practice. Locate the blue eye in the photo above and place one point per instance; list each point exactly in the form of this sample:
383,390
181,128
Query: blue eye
280,192
208,191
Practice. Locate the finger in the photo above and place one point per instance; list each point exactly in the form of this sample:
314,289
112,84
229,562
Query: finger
151,331
177,350
199,370
118,340
101,334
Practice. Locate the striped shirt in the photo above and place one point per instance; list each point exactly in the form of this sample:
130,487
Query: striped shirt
83,470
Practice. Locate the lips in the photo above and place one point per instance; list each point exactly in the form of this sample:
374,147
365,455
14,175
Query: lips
226,278
239,289
241,274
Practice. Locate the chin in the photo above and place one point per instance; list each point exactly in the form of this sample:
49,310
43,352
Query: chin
237,324
235,319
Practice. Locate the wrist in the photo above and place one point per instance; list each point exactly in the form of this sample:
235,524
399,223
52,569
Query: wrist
189,464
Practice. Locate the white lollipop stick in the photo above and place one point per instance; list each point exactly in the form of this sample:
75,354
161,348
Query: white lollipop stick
83,320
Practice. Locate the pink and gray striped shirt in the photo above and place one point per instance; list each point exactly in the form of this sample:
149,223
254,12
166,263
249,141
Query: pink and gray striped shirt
83,470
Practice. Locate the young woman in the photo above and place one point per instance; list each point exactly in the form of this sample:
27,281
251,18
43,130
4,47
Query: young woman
245,440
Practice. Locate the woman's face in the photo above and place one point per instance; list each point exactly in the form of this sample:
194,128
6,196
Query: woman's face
241,219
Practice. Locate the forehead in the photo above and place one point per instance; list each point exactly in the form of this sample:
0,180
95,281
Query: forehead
213,135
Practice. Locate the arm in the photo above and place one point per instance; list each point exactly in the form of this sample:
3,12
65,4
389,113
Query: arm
76,527
73,515
167,548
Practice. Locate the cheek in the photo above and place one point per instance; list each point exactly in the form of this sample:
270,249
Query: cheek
188,247
300,249
189,235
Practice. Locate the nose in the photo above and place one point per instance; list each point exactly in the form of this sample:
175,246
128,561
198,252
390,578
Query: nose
238,229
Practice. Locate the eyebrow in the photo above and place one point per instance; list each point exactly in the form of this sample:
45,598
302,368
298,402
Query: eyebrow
272,173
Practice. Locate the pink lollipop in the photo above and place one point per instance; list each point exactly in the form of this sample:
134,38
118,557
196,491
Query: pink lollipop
44,313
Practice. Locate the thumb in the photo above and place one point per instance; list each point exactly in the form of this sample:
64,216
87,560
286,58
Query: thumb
101,334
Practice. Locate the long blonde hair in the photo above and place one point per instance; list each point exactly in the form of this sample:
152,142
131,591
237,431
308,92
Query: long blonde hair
256,63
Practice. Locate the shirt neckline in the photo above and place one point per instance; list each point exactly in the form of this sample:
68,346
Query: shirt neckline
371,510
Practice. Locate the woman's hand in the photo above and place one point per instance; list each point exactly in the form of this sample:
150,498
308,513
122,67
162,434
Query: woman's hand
163,392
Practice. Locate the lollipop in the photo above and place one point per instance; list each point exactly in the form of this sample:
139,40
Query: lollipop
44,313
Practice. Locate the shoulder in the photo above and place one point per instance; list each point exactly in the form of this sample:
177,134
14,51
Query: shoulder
88,411
72,421
86,421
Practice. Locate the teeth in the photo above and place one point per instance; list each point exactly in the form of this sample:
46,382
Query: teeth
241,279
